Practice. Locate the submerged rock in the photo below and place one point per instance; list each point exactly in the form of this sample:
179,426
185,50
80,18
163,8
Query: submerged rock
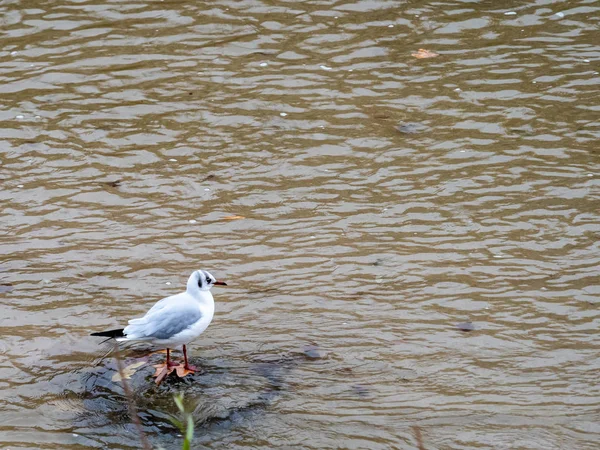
465,326
410,128
223,392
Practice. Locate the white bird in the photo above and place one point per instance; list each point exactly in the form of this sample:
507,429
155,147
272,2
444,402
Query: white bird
172,321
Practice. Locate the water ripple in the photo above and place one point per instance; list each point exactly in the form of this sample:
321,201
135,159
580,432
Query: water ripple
358,201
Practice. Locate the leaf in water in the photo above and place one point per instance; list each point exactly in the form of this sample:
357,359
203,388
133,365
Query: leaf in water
162,371
182,371
422,53
127,371
233,217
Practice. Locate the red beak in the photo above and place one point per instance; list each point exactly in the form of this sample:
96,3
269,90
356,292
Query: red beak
220,283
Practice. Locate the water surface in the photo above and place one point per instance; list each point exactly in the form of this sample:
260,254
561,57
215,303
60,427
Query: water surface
360,203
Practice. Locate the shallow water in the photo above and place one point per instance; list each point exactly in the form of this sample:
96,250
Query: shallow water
360,203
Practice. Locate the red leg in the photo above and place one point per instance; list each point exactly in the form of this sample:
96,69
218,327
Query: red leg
169,362
164,369
186,365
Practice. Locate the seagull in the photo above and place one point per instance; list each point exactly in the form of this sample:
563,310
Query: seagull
172,321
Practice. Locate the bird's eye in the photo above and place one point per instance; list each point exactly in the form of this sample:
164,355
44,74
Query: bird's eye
208,281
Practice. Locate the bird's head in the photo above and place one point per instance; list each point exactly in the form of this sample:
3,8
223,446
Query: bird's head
202,280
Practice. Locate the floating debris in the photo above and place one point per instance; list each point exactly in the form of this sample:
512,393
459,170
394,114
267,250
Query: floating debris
114,184
423,53
233,217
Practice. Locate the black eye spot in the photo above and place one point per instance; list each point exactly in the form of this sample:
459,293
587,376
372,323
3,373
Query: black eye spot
208,281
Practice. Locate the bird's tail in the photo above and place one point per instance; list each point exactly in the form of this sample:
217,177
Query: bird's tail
110,334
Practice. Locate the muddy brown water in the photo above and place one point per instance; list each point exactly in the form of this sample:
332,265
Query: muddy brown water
364,206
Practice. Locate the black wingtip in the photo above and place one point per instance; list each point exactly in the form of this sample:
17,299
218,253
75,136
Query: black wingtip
110,333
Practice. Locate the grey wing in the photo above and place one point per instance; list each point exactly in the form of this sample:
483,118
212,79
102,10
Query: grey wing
164,323
165,302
